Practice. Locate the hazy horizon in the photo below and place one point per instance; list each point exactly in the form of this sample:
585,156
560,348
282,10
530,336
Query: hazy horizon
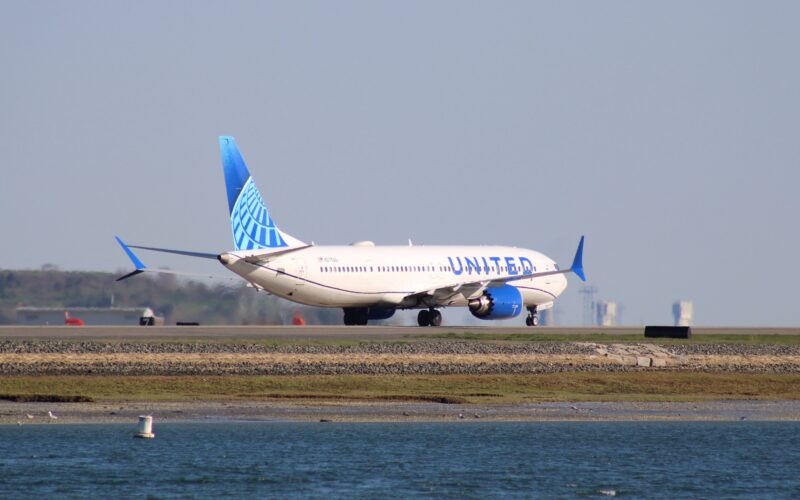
664,132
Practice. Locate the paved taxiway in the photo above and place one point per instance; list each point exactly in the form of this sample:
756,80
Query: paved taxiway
327,332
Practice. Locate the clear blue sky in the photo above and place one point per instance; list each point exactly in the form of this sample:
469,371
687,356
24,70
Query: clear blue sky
668,133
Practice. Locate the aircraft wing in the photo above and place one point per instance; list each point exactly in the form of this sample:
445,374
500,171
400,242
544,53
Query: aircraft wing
443,294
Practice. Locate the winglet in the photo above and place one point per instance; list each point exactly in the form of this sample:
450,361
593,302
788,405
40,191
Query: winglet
140,267
577,262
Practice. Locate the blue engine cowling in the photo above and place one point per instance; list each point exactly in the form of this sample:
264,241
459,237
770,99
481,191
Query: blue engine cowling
503,302
380,313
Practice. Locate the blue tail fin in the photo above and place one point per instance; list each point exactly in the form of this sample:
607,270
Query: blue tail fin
251,224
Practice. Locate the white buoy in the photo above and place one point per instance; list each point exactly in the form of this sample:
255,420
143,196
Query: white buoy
145,427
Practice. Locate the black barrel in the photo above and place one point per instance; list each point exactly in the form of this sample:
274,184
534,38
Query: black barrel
672,332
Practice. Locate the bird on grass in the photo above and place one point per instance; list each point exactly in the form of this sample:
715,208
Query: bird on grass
50,414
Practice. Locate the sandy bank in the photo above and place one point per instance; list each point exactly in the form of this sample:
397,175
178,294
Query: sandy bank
122,412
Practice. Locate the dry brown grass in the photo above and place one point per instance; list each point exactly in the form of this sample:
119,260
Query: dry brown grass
572,386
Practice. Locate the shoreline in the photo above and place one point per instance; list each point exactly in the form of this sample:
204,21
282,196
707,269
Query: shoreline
13,413
91,381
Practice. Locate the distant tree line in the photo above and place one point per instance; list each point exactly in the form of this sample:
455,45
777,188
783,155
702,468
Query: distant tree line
174,299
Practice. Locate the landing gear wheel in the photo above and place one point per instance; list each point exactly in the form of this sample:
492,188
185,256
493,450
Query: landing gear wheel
424,318
356,316
533,318
436,317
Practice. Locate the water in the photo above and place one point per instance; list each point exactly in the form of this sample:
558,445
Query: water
400,460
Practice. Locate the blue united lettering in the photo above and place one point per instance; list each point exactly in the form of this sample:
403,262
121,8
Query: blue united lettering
453,266
472,264
491,265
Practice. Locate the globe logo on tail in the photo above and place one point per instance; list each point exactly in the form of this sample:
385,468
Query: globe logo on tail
252,226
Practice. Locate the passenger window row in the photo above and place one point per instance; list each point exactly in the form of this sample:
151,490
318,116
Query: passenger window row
382,269
401,269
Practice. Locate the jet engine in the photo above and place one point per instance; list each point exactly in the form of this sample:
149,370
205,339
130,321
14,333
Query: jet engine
503,302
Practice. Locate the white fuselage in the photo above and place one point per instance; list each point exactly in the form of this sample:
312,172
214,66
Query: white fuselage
370,282
392,276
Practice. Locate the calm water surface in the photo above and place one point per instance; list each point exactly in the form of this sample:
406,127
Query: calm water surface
399,460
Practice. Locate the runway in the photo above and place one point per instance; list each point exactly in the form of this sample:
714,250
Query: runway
365,333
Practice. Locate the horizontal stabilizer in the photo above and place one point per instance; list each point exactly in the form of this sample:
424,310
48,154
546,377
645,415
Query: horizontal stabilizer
202,255
141,268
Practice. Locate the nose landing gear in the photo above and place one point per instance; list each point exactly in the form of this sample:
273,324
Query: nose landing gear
430,317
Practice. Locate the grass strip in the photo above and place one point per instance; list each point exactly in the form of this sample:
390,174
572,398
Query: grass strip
570,386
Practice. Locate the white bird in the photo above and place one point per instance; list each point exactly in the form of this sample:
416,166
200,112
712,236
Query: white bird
50,414
29,415
574,408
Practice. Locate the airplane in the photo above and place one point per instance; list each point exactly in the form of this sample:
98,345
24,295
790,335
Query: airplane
370,282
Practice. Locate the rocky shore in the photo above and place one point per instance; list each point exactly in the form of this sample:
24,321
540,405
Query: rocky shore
49,357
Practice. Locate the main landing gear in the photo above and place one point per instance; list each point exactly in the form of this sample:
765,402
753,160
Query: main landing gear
533,318
356,316
429,317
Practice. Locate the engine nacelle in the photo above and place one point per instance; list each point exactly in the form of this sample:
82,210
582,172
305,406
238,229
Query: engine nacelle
503,302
